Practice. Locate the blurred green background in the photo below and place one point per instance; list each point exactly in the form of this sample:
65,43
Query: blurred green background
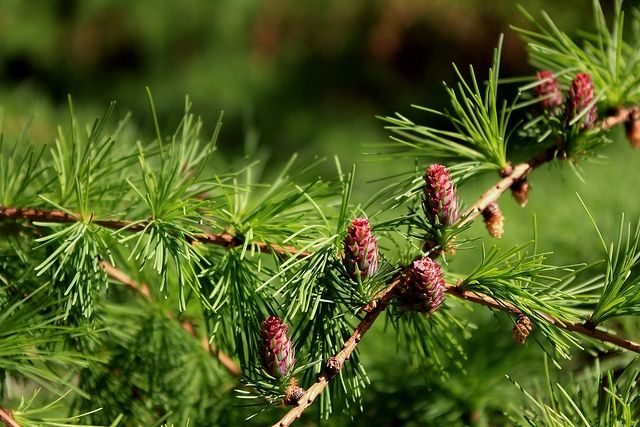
310,77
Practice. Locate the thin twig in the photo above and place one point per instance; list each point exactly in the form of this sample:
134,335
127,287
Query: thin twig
619,116
220,239
380,302
517,173
144,290
335,363
122,277
7,418
224,360
580,328
521,170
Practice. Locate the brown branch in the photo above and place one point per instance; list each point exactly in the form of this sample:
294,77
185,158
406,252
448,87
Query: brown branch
144,290
380,303
220,239
580,328
122,277
7,418
516,173
335,363
521,170
619,116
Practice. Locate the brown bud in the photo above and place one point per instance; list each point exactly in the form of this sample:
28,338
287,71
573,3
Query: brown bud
494,220
632,126
522,329
508,169
333,366
520,192
293,393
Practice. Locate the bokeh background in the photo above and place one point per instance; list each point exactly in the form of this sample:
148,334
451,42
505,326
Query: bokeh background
307,76
311,77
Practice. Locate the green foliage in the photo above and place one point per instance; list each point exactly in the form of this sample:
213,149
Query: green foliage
28,414
213,247
608,55
479,139
18,169
533,287
591,399
620,291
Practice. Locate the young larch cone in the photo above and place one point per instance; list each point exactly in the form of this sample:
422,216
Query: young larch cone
494,220
278,354
440,201
520,192
360,249
632,126
580,96
522,329
424,287
549,90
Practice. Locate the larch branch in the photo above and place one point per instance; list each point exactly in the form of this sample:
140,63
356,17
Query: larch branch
580,328
220,239
335,363
380,302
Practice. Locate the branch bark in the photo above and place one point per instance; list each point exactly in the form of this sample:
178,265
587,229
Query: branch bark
619,116
220,239
7,418
580,328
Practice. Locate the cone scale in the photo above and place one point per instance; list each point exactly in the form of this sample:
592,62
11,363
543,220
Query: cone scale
493,220
522,329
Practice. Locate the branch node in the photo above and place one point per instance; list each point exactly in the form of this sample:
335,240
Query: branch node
333,366
590,324
293,393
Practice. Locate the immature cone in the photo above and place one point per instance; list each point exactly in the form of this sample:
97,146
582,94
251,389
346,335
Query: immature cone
278,354
522,329
494,220
520,192
580,96
360,249
424,287
440,202
632,126
549,90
